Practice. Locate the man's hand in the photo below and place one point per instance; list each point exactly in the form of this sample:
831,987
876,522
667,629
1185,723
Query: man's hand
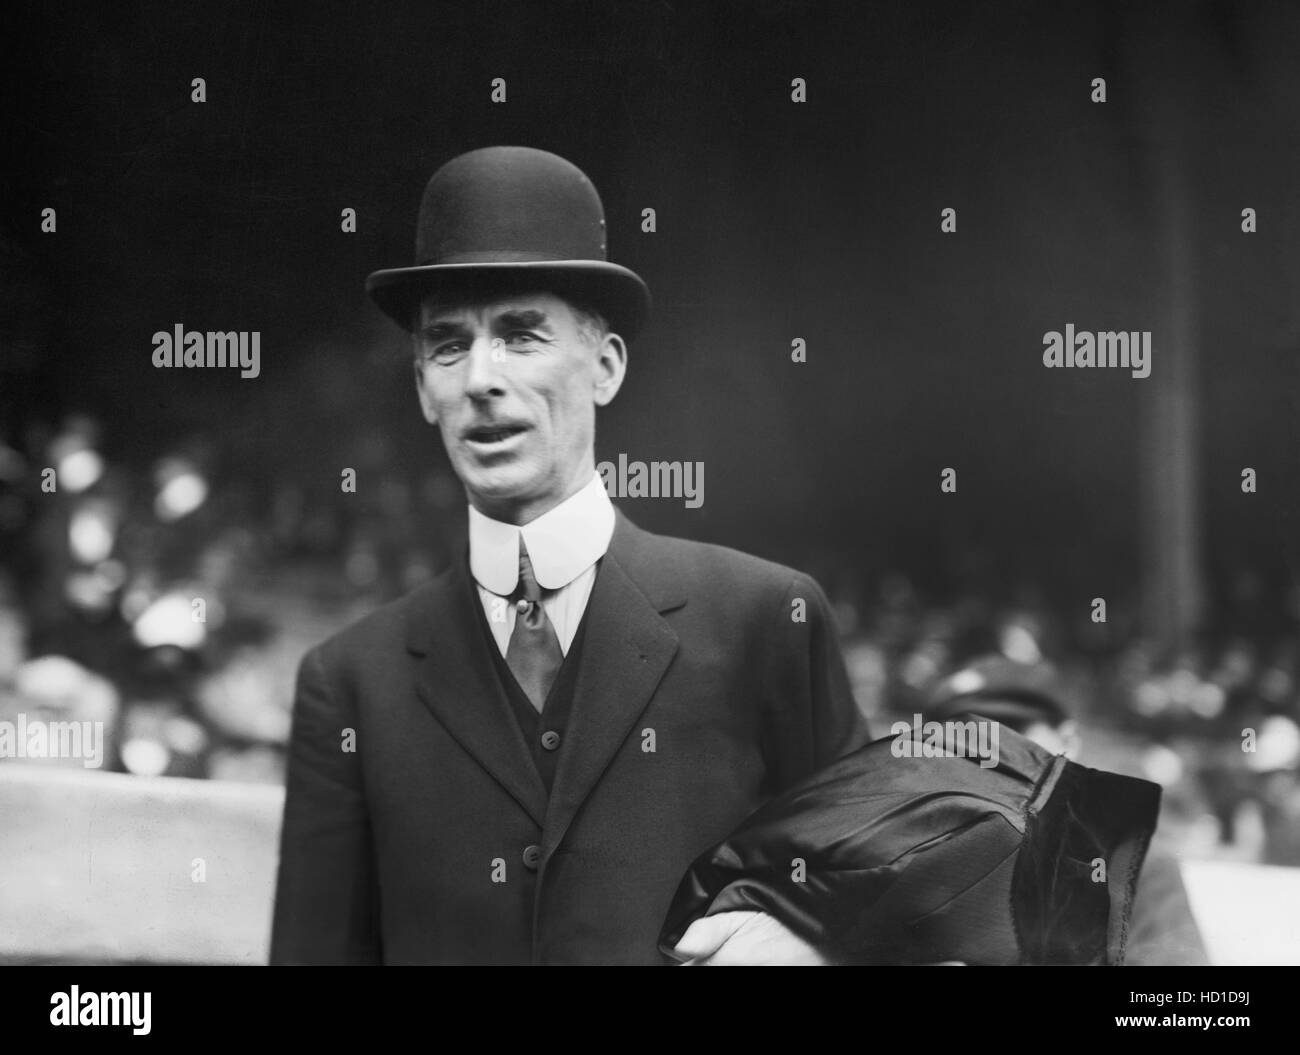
732,939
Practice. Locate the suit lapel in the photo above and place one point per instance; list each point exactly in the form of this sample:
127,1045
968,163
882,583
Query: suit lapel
627,647
457,681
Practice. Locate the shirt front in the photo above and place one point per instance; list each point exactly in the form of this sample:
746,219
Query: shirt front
563,544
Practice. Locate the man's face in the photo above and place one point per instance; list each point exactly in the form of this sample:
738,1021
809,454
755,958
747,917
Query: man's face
513,384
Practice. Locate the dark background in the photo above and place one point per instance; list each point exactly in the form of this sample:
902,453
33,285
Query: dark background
775,220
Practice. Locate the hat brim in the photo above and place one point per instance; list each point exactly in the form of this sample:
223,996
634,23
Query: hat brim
618,293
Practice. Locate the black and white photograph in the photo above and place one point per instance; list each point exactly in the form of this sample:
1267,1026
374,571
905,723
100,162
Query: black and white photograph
651,483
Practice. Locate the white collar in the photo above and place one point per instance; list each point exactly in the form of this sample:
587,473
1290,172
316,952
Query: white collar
562,543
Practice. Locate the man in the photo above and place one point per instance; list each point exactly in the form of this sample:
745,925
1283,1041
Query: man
517,762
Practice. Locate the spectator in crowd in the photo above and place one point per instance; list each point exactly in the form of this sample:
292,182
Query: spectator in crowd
1031,699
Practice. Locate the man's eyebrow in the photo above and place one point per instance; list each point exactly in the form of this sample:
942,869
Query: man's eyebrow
523,319
436,330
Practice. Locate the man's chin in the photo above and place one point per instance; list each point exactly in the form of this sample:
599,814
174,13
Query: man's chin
501,486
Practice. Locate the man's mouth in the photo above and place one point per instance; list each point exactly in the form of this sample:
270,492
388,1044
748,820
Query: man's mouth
488,436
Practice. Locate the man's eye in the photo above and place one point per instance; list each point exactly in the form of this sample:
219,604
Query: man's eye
443,352
522,337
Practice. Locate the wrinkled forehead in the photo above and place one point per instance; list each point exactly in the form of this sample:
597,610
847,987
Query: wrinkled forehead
538,306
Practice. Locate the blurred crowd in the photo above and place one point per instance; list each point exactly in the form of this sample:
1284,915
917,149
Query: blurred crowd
173,605
1215,723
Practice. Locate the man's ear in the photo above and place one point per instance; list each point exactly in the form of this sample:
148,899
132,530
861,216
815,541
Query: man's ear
427,407
611,368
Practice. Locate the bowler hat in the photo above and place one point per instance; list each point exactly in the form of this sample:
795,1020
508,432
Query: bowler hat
512,218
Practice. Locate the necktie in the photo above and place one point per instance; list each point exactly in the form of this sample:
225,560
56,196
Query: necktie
533,653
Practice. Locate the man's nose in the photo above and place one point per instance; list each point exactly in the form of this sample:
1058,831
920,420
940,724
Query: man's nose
484,368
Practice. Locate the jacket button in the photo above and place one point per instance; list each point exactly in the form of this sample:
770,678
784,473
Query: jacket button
550,740
532,856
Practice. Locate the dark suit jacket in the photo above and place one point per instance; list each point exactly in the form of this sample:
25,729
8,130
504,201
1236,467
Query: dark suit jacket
388,852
